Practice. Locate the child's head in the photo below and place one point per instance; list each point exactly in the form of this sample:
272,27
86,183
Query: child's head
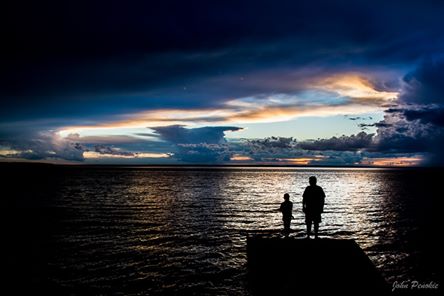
287,196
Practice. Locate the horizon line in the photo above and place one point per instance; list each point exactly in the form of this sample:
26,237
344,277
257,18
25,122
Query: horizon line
212,165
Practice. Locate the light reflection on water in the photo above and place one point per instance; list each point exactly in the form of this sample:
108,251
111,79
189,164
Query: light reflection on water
176,230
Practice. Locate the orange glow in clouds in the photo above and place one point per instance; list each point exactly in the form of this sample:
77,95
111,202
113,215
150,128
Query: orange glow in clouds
355,86
362,97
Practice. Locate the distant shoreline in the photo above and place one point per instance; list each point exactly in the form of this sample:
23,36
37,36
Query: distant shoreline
208,166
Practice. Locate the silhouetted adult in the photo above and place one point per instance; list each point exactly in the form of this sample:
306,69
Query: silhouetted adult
313,205
287,213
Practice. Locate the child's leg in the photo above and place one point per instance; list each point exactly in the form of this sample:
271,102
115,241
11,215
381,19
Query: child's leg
286,227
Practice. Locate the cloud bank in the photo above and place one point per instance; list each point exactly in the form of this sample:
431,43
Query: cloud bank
195,72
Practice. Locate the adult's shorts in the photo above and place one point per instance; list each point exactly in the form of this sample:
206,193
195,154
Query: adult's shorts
313,217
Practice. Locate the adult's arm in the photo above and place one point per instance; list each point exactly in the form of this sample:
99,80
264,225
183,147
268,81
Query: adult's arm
304,200
322,200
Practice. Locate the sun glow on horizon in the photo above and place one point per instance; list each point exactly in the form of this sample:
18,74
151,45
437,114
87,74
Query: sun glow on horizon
394,161
238,157
97,155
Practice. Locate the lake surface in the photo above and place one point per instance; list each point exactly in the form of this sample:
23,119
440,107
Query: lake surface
136,231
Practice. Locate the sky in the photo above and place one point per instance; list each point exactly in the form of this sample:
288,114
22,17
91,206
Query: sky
340,83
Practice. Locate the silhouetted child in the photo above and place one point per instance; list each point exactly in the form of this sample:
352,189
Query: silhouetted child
313,205
287,211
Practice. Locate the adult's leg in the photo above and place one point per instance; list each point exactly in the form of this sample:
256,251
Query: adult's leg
308,222
316,228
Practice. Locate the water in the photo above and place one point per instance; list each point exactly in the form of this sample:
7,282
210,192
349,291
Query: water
137,231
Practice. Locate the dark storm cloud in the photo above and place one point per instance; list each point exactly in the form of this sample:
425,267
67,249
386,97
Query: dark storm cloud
203,153
109,150
180,135
344,150
272,143
401,136
428,115
425,85
416,124
44,145
269,149
197,145
343,143
399,133
376,124
333,151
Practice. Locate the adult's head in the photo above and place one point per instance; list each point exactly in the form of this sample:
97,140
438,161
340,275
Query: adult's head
287,196
312,180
